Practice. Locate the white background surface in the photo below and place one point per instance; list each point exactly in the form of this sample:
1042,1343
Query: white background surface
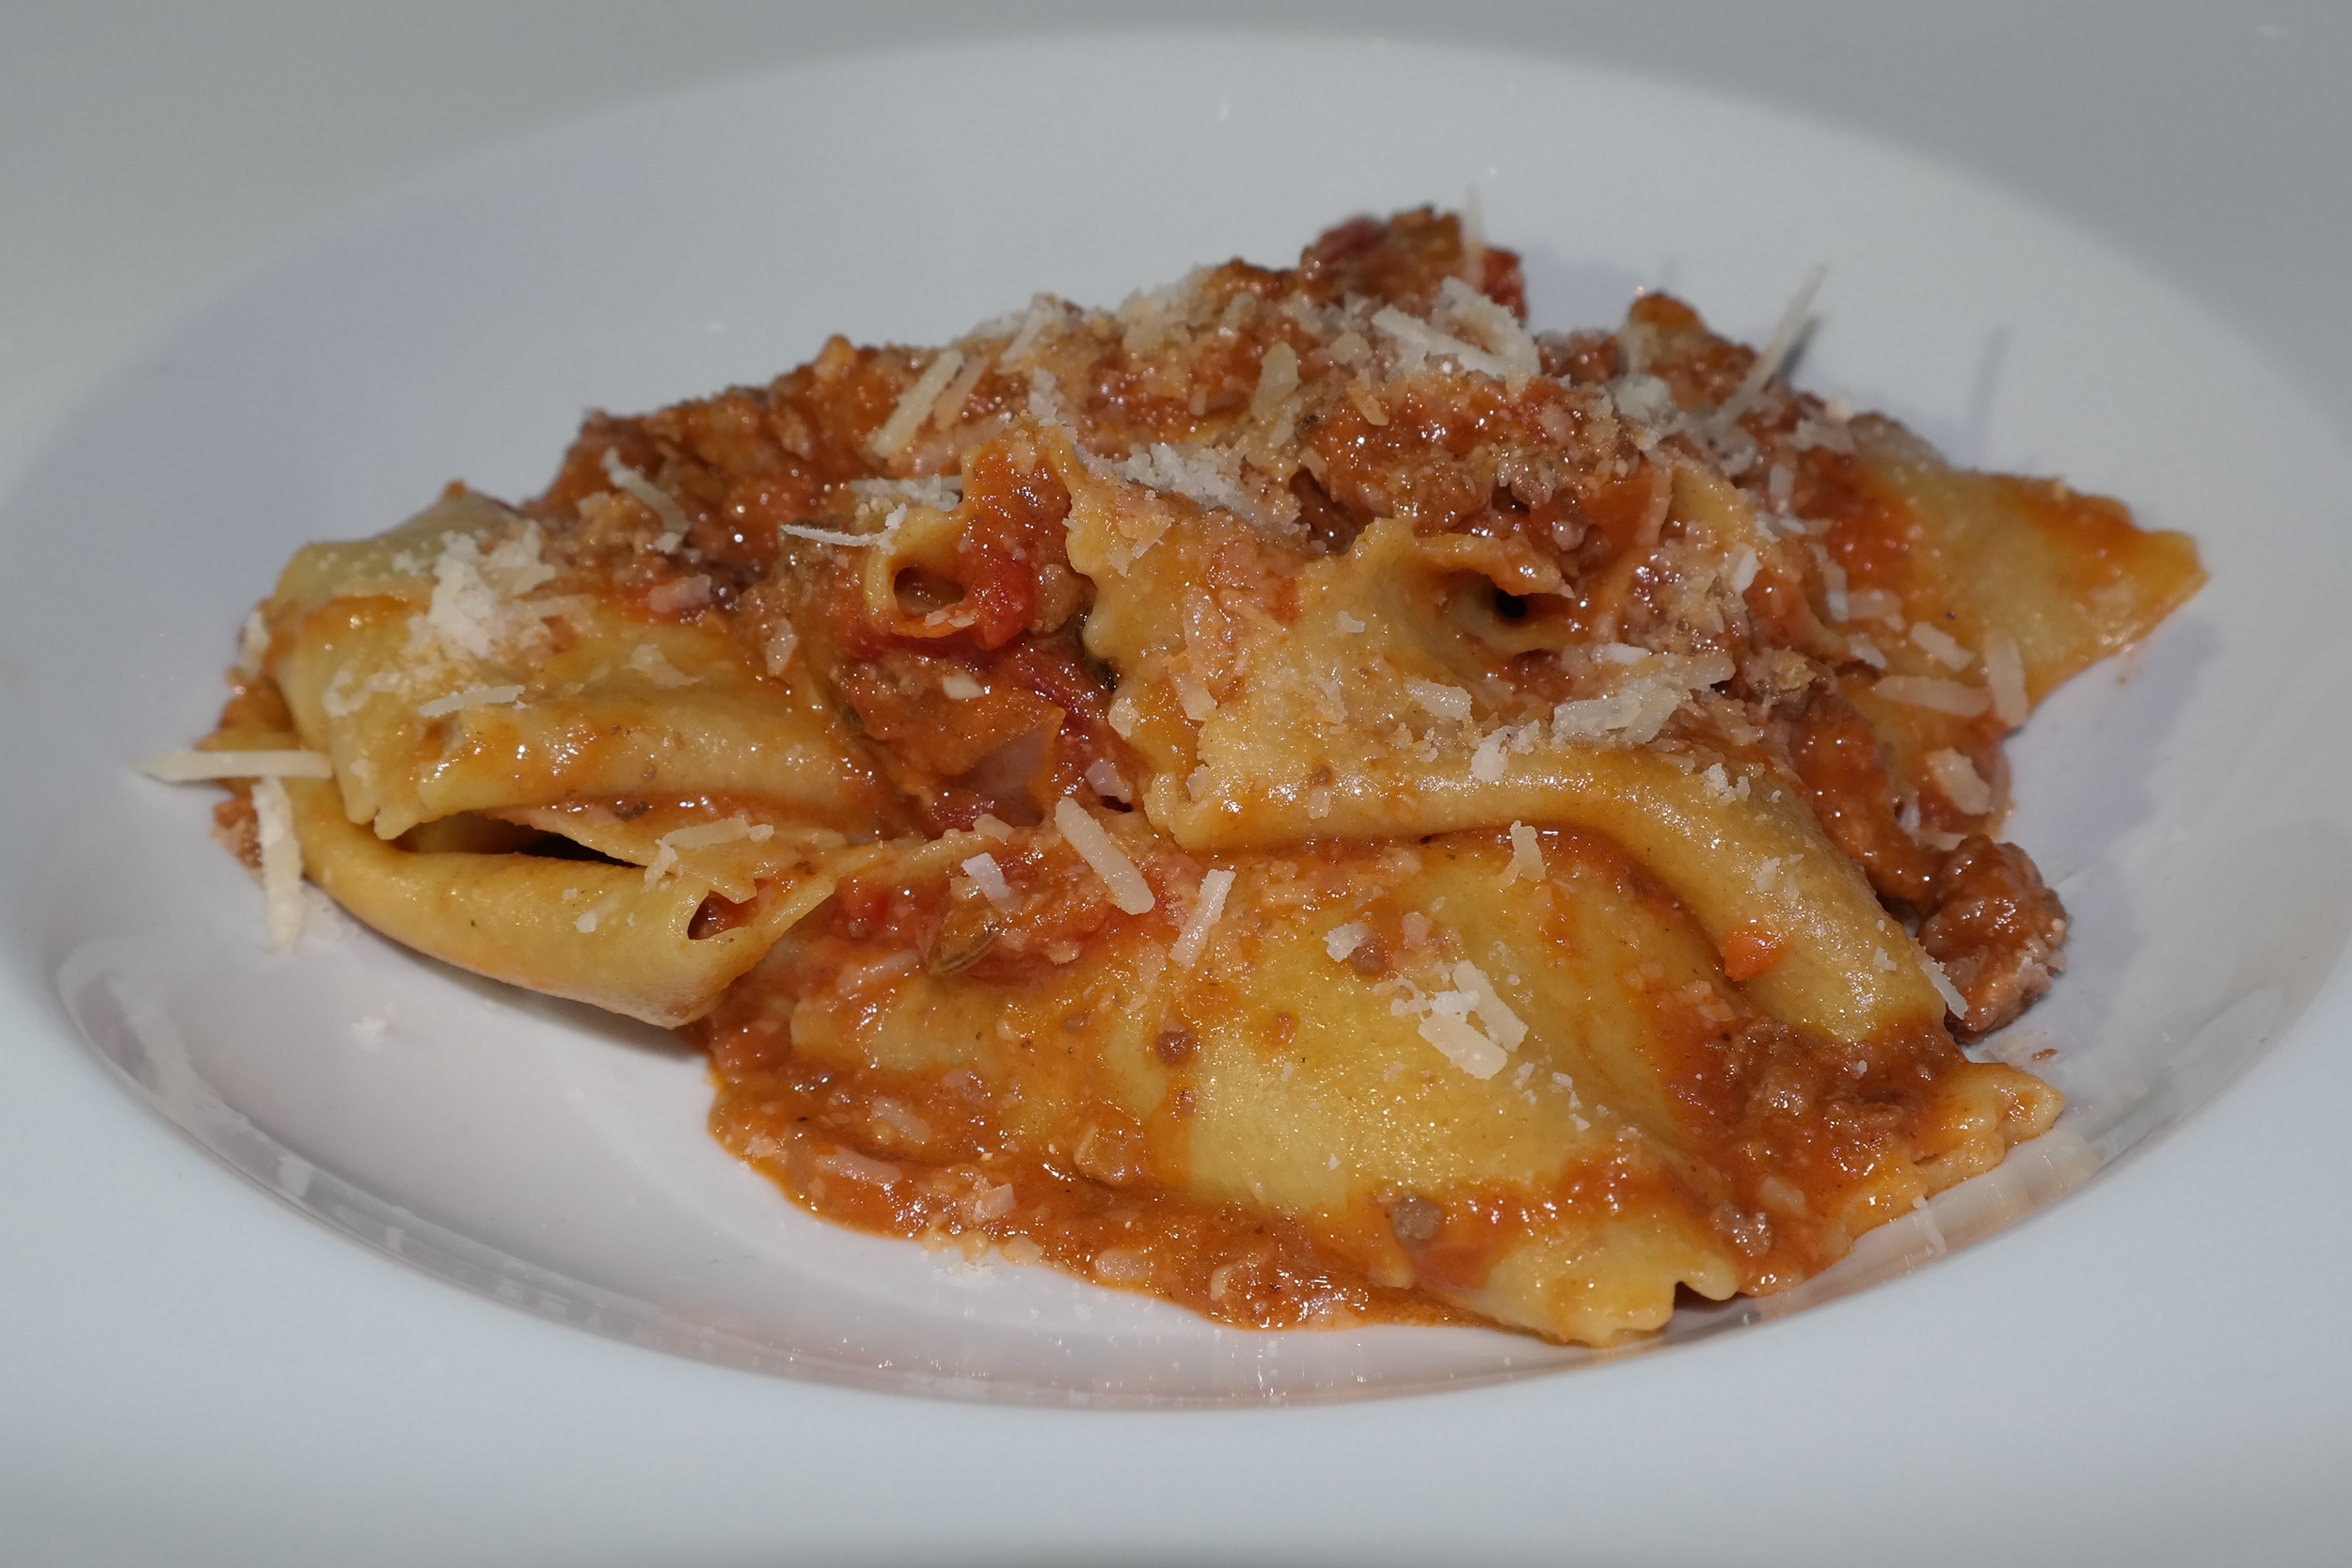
190,1373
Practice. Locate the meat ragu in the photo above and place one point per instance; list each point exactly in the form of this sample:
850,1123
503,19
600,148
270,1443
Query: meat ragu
1296,795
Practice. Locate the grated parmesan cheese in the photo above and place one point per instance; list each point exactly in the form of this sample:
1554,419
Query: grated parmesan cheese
1962,784
1527,856
472,696
282,864
1340,941
1810,432
655,499
914,405
1721,785
1206,912
1643,399
339,701
1875,604
1485,763
1043,311
1479,1048
1278,378
955,684
846,540
2005,679
252,646
1201,475
989,826
1940,647
1833,595
1466,307
1785,337
949,409
1637,713
1129,891
852,1166
652,663
678,593
939,492
1939,696
1418,341
990,879
201,766
1106,781
710,835
994,1201
1197,700
473,606
1348,623
1953,1000
1445,1027
776,653
1442,702
1045,401
1651,687
1743,569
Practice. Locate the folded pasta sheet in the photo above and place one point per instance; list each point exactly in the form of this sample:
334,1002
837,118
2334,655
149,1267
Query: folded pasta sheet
1296,795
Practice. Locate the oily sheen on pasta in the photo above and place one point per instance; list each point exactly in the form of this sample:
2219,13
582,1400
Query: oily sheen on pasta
1296,795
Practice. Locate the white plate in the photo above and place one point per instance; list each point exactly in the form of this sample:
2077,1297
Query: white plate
2190,813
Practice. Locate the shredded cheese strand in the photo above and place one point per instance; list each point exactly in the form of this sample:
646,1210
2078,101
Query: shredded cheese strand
473,696
1206,912
848,541
914,405
202,767
1768,363
656,500
282,863
1129,891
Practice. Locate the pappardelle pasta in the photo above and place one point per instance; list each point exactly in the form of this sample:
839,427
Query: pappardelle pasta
1295,796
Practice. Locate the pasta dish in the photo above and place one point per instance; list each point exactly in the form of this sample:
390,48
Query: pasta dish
1295,796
